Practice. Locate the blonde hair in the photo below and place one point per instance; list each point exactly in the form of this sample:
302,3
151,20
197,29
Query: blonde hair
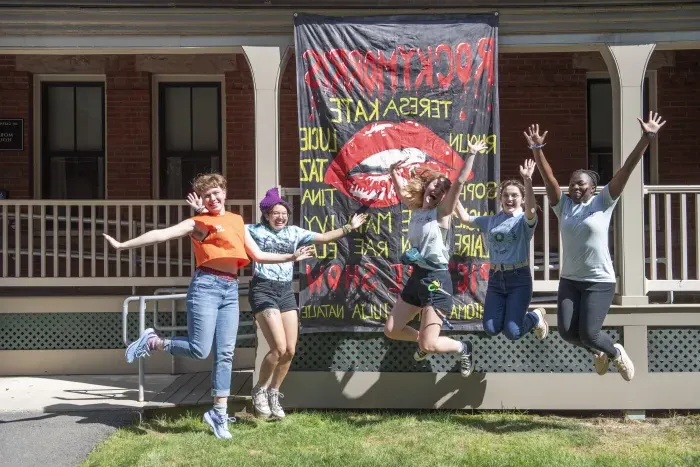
414,190
206,182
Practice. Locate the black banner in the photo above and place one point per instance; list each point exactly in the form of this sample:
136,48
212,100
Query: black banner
372,91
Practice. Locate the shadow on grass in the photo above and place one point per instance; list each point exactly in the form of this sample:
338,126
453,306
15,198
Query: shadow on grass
514,425
165,420
491,422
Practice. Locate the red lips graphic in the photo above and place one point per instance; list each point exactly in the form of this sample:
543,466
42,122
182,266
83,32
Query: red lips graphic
361,168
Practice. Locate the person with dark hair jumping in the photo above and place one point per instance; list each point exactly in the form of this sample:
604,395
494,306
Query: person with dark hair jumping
587,279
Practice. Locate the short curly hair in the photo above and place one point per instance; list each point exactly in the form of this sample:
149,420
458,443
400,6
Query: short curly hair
206,182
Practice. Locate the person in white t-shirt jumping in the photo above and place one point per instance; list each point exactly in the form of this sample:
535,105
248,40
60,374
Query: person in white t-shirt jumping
587,279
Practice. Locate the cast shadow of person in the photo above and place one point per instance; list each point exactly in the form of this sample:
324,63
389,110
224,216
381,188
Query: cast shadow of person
365,370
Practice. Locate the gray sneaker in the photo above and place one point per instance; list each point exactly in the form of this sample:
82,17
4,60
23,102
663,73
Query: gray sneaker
274,397
624,364
601,361
260,404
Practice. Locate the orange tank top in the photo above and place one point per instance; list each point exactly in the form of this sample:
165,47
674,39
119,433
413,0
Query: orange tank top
225,241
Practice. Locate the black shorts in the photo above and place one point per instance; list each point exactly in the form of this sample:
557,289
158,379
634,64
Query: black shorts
265,294
416,293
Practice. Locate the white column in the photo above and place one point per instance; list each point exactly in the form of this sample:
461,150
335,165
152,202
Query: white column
266,65
627,65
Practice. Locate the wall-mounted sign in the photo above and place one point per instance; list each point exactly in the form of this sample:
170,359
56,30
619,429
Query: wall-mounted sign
11,134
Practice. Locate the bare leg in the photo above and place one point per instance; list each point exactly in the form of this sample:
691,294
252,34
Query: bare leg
290,322
271,325
396,326
430,340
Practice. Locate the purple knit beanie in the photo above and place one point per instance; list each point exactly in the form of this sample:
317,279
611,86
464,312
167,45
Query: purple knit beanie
272,197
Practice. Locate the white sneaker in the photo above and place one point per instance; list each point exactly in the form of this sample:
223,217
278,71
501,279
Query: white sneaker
420,355
601,361
542,328
274,397
260,403
624,364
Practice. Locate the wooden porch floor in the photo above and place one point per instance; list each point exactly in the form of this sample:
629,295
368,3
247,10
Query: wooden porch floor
195,389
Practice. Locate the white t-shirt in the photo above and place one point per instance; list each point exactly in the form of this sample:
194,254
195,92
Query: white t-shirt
584,231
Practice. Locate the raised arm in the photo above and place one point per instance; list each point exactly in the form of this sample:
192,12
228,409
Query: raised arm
649,130
356,221
182,229
464,216
398,186
526,172
536,142
262,257
449,202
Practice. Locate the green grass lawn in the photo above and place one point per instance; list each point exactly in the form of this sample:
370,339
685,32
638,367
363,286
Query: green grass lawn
405,439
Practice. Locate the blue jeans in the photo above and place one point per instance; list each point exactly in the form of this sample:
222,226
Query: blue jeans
212,319
507,299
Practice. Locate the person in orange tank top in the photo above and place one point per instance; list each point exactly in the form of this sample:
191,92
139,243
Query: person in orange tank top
221,245
271,294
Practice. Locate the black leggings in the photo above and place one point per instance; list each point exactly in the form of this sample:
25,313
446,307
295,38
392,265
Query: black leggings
581,310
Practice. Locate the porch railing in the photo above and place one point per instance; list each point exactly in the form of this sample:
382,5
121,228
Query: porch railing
672,250
59,243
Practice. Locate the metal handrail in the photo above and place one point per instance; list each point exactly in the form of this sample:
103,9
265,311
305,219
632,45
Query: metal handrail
156,298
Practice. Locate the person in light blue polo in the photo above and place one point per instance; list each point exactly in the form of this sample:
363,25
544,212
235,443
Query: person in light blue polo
508,236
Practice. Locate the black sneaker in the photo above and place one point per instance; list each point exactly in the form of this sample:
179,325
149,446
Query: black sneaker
466,362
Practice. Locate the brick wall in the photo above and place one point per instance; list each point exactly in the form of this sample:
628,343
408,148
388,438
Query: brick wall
544,89
289,127
128,104
541,88
128,107
240,131
16,102
679,103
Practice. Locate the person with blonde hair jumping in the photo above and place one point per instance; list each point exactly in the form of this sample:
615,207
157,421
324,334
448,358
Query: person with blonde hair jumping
432,199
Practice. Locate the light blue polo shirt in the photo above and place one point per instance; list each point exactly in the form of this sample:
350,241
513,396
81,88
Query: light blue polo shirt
584,231
507,236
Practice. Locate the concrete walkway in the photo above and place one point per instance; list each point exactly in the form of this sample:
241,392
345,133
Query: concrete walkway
57,420
52,394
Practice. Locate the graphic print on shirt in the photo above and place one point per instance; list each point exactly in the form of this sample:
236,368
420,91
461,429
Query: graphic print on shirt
503,236
285,241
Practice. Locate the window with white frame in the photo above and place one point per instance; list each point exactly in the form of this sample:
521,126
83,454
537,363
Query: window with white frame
73,140
189,121
600,129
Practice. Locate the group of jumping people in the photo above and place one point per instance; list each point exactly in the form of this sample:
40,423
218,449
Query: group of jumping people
223,244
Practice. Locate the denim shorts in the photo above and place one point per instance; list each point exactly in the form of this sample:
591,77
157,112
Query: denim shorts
416,293
265,293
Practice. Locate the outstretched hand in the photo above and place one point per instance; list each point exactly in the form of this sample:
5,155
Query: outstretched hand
195,201
115,244
357,220
304,252
527,169
476,147
533,135
653,125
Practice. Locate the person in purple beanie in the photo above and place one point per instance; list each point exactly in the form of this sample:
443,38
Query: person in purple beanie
272,297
